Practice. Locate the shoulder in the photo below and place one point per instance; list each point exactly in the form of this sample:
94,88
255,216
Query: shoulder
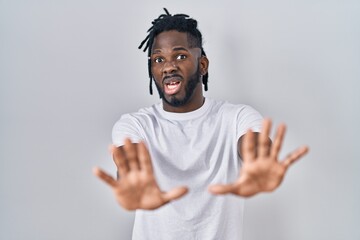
133,125
137,119
242,116
226,107
141,114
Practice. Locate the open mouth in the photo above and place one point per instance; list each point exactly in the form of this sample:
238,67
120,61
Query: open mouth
172,84
172,87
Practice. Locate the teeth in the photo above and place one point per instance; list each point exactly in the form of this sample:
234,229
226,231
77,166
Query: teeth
172,83
172,86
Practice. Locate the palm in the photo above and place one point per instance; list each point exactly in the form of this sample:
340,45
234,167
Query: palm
261,171
262,175
136,187
139,191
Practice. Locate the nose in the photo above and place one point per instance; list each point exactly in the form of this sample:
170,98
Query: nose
169,67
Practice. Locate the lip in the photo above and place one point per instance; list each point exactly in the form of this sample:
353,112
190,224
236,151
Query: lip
172,87
172,84
172,78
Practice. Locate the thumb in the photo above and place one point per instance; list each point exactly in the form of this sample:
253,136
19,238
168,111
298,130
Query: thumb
175,193
221,188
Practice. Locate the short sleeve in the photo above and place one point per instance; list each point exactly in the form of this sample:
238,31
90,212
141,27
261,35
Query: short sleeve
126,127
248,118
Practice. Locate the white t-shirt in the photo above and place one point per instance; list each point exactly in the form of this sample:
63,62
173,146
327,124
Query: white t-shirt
194,149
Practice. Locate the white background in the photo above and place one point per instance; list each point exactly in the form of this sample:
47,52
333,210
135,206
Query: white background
69,69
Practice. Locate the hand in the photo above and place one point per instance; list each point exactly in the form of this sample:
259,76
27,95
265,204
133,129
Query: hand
136,187
261,170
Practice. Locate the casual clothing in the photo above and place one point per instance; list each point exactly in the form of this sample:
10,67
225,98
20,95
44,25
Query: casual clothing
193,149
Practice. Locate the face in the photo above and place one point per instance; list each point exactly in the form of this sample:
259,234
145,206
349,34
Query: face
177,70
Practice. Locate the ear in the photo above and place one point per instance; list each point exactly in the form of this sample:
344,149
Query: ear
204,65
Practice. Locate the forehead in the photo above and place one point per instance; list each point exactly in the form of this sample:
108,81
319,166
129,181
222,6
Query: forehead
170,39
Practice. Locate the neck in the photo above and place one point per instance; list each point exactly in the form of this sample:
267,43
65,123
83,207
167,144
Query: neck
194,103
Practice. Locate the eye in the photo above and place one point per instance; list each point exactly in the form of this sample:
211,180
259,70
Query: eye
181,57
158,60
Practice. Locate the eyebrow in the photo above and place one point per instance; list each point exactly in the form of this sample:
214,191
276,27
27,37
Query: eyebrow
174,49
180,49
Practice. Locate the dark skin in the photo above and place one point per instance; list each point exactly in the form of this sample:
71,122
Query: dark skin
172,56
136,187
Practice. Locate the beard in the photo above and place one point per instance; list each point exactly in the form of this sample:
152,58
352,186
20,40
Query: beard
189,91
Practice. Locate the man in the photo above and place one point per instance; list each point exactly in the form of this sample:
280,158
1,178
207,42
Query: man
186,163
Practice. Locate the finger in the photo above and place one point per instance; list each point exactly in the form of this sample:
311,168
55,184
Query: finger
279,137
131,155
174,193
119,159
248,151
263,140
104,177
144,158
219,189
295,155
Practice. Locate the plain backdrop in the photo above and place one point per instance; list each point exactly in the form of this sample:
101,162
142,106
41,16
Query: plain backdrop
69,69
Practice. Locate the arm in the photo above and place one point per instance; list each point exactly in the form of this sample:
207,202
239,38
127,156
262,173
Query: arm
241,141
136,187
261,171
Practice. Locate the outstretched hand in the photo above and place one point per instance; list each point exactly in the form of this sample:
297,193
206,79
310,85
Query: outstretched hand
261,170
136,187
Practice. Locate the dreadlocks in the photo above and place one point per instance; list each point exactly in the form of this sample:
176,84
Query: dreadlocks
178,22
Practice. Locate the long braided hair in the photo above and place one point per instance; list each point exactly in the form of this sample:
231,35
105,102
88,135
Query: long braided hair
180,23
